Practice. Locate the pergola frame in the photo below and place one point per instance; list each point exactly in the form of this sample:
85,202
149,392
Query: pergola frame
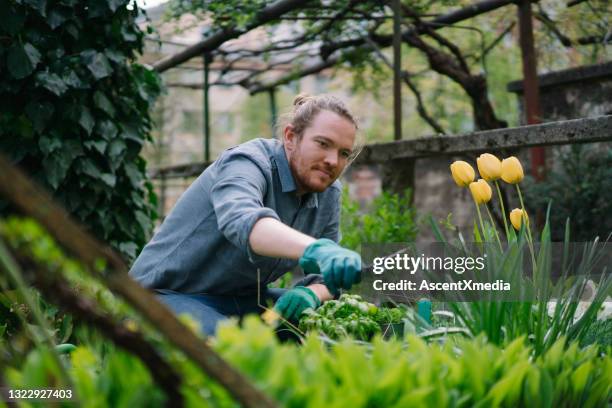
209,47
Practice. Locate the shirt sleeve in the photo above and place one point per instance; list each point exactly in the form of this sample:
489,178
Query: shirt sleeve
237,198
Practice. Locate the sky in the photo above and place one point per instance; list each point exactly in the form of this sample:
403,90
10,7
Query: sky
149,3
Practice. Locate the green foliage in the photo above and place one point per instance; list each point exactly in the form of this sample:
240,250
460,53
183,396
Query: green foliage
524,310
349,316
599,333
382,374
459,373
391,219
581,190
74,110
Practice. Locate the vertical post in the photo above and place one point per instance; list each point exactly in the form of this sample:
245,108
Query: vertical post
162,197
272,94
531,86
397,71
207,60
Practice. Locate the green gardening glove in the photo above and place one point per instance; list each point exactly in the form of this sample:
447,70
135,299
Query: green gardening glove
340,267
293,302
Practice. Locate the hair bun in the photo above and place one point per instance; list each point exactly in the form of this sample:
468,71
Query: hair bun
301,99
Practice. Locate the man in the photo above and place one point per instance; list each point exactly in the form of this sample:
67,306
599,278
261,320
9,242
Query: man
257,211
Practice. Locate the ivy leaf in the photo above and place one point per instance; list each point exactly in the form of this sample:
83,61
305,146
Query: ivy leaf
128,248
71,79
109,179
89,168
132,172
116,147
97,63
55,169
128,35
48,145
39,113
52,82
22,59
102,103
99,145
55,19
38,5
115,56
143,221
106,129
86,120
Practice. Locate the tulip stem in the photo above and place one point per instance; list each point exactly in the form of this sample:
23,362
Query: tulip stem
527,224
484,236
494,229
503,210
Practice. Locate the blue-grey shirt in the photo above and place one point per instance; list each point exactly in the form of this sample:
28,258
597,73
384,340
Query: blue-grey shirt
202,246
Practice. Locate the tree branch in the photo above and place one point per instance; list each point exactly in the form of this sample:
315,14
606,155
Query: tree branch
36,203
57,289
421,109
266,15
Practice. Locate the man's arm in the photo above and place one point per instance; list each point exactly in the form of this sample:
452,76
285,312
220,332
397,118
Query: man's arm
270,237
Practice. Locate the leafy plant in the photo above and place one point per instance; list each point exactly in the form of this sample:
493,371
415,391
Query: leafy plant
390,219
385,373
349,316
580,189
74,110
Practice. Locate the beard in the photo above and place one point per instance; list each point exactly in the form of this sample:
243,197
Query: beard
306,179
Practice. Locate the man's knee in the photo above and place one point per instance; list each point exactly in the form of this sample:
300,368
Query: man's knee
204,315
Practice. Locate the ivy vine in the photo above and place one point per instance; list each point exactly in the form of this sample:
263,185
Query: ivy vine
74,110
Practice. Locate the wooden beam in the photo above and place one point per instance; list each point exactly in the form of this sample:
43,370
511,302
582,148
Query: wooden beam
266,15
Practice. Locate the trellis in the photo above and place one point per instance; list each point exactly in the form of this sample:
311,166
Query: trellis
401,169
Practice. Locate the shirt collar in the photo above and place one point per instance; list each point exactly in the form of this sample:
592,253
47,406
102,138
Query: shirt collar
286,177
284,172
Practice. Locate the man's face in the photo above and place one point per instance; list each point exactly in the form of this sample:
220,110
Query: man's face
319,156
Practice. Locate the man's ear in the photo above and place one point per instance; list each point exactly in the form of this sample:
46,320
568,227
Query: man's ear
290,138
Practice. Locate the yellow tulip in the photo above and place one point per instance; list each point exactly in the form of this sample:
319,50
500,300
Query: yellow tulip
481,191
511,170
462,173
489,167
516,218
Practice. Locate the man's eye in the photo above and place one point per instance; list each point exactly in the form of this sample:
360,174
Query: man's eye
321,143
346,155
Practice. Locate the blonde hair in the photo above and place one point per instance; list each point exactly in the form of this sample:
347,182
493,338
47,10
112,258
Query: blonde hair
306,107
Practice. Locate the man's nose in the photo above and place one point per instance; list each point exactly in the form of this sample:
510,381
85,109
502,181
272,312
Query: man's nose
331,158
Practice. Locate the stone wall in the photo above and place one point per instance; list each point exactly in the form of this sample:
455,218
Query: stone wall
576,93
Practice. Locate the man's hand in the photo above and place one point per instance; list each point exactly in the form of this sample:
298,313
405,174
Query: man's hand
340,267
291,304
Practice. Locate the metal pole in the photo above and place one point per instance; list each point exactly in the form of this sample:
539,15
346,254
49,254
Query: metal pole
531,86
207,60
397,71
272,94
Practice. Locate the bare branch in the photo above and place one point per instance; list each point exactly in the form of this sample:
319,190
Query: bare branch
266,15
421,109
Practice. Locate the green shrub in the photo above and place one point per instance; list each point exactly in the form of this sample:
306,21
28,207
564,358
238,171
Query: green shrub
581,190
74,110
391,218
384,374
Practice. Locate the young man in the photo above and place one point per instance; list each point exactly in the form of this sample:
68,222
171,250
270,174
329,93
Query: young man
261,208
